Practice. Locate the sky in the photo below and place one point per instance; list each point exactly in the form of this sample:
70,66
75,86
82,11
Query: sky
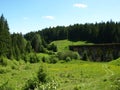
32,15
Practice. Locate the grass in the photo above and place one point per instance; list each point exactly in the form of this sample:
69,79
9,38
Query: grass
63,45
74,75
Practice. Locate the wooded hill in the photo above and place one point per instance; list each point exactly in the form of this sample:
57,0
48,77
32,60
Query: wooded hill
103,32
17,45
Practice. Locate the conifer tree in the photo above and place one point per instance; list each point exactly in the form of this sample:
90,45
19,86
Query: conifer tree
5,39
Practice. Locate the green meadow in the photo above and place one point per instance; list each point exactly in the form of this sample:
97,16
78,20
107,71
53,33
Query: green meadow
63,45
73,75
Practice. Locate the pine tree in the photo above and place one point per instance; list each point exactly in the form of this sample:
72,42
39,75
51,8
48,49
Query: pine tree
28,47
36,43
5,39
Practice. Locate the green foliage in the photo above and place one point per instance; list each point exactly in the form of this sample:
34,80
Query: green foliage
68,59
103,32
52,85
32,58
52,47
77,88
5,86
28,47
37,43
3,61
3,70
51,34
64,55
18,45
76,56
45,59
85,56
115,82
53,59
115,62
31,84
5,39
42,74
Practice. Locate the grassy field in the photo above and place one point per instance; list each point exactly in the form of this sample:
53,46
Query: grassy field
74,75
63,45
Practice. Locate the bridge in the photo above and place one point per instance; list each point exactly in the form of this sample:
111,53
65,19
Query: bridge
98,52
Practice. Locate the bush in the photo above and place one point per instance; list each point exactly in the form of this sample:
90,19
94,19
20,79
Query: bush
68,59
64,55
77,88
115,62
5,86
3,61
76,55
52,47
42,75
4,70
31,84
40,80
32,58
115,82
53,59
48,86
45,59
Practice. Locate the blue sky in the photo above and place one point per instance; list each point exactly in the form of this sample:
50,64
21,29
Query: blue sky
32,15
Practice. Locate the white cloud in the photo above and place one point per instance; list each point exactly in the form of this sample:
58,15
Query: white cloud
80,5
49,17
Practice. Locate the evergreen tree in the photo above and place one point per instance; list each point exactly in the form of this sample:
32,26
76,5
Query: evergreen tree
36,43
5,39
18,45
28,47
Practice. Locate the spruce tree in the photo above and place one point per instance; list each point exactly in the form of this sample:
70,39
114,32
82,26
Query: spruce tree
5,39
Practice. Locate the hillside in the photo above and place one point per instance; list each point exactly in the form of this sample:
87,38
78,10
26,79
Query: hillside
63,45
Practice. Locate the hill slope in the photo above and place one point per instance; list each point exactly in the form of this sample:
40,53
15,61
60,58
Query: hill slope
63,45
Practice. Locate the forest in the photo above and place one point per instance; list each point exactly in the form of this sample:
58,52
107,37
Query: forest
17,45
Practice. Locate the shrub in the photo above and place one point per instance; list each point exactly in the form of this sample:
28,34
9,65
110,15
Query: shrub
116,62
46,59
2,70
5,70
5,86
42,75
31,84
68,59
77,88
3,61
115,82
76,55
53,59
32,58
48,86
50,52
64,55
52,47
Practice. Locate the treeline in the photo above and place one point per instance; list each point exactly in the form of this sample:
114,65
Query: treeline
15,46
108,32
